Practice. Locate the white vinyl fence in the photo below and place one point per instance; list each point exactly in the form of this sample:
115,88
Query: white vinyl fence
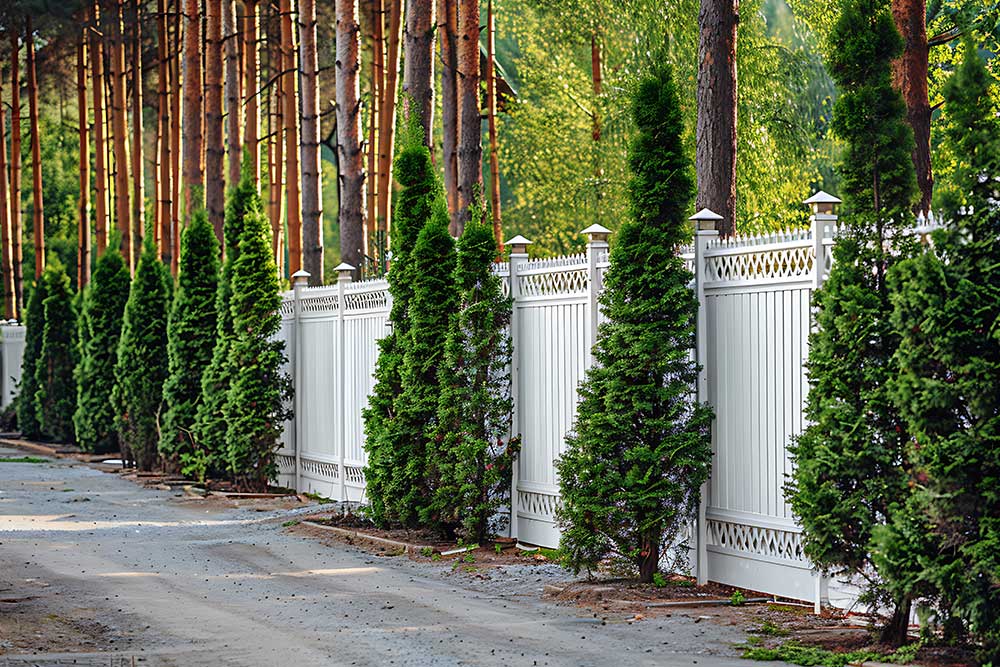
753,327
11,353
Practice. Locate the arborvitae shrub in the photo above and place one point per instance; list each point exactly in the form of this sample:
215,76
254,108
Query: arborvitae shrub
471,455
414,171
141,368
641,445
191,335
55,397
850,461
101,327
34,322
255,408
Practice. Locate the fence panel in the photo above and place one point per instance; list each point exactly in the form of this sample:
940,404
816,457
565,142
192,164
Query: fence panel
12,351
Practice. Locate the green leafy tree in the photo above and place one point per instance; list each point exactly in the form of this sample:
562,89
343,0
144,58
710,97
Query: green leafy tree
141,368
191,336
34,321
255,405
100,330
947,305
55,397
850,461
415,173
472,453
641,445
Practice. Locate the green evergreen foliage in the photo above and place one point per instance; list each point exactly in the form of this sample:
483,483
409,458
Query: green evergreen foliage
850,461
100,329
472,453
641,446
141,368
208,451
34,321
191,336
420,187
55,397
947,305
255,407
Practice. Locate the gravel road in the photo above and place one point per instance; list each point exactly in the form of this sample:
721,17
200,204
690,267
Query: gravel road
95,570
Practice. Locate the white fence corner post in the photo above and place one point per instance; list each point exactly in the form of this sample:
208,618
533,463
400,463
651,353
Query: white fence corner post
518,254
597,243
300,279
823,207
345,272
706,230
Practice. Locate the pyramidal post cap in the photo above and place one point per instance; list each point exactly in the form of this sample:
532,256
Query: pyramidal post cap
706,219
597,233
823,203
518,245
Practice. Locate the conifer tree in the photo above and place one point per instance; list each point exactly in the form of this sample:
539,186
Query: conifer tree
34,321
946,306
850,460
255,408
472,453
100,330
141,368
55,398
191,337
415,173
641,446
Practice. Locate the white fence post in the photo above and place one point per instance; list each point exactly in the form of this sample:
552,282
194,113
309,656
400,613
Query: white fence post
706,230
597,243
299,281
823,206
518,253
344,274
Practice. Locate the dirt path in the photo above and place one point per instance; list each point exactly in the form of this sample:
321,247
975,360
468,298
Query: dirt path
95,570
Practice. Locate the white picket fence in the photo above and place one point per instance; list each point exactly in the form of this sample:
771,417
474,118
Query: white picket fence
754,321
11,353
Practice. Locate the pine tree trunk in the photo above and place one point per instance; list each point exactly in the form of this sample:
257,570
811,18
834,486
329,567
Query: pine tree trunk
120,136
312,200
909,75
715,156
649,558
138,175
470,127
894,632
6,240
101,213
16,225
194,175
375,102
38,218
352,175
491,104
595,132
276,153
215,149
387,122
233,92
293,201
164,205
176,96
83,232
448,28
251,55
418,66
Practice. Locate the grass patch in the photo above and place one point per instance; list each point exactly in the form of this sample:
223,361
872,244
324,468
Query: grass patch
293,522
771,629
22,459
322,500
811,656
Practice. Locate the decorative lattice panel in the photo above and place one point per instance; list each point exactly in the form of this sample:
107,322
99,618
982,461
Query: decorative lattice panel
554,282
368,300
760,264
286,464
552,262
539,504
771,542
287,309
319,304
355,475
321,469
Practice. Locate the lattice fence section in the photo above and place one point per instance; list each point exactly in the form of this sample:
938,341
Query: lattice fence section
355,475
538,504
551,262
561,281
759,540
793,260
322,469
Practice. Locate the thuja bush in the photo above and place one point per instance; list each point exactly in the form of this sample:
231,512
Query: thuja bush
946,543
34,322
255,407
641,445
141,368
99,332
471,455
850,473
55,396
420,187
191,336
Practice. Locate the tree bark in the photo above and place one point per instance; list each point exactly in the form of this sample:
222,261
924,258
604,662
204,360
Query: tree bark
164,187
6,239
233,93
715,155
38,219
83,231
251,69
374,123
491,105
100,142
138,175
293,200
352,175
312,200
470,132
418,65
649,558
910,78
194,175
175,143
894,633
215,149
387,122
448,28
16,225
276,153
119,133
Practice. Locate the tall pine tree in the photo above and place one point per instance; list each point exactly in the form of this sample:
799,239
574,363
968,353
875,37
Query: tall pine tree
34,321
641,445
55,398
850,461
